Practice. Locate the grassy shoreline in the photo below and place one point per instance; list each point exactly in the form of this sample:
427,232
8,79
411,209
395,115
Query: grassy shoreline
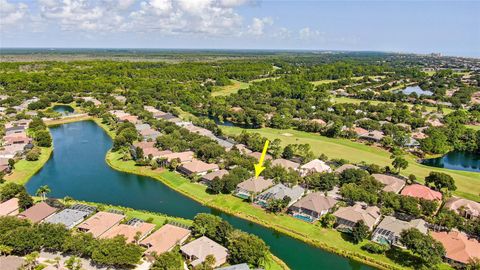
24,169
326,239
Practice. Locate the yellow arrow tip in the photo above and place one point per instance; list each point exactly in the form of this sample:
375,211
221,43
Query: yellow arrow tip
258,169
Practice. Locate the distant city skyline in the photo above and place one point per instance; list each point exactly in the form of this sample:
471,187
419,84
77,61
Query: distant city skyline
446,27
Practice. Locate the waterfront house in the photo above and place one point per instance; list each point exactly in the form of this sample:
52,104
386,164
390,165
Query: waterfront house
150,149
164,239
208,178
389,229
197,167
286,164
464,207
392,183
197,251
348,217
99,223
312,206
344,167
252,187
71,216
9,207
279,192
16,138
130,230
314,166
460,249
421,192
38,212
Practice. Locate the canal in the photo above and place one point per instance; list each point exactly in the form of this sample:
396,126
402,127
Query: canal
78,169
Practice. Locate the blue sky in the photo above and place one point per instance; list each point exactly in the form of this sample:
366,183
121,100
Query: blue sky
449,27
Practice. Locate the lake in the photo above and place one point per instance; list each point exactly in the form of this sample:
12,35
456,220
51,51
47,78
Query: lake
456,160
416,89
63,109
78,169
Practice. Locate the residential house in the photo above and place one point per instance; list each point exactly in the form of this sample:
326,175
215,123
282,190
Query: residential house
150,149
149,134
165,239
16,138
38,212
129,118
252,187
312,206
464,207
388,231
72,216
421,192
243,148
460,249
120,98
9,207
348,217
95,101
130,230
375,135
314,166
392,183
279,192
99,223
141,126
197,251
359,131
286,164
197,167
208,178
257,155
344,167
183,157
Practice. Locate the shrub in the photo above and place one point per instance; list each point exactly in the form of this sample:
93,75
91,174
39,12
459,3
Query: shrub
375,248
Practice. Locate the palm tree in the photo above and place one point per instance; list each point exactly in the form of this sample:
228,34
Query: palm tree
5,250
42,191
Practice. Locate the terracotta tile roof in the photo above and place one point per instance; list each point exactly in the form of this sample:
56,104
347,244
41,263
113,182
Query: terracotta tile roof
369,214
255,185
212,175
38,212
285,163
316,202
458,246
392,183
198,166
346,167
129,231
202,247
9,207
186,156
458,205
99,223
421,191
165,238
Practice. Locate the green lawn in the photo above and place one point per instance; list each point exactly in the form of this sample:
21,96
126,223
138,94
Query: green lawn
328,239
476,127
25,169
468,183
376,102
229,89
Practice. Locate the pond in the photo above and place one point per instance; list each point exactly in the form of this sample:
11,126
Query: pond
416,89
456,160
78,169
63,109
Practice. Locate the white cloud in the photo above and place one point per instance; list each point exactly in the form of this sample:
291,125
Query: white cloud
257,27
11,13
309,34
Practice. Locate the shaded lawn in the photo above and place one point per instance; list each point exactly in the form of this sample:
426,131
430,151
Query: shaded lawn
229,89
468,183
24,169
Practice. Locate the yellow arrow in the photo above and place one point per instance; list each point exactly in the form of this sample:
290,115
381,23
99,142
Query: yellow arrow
259,167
